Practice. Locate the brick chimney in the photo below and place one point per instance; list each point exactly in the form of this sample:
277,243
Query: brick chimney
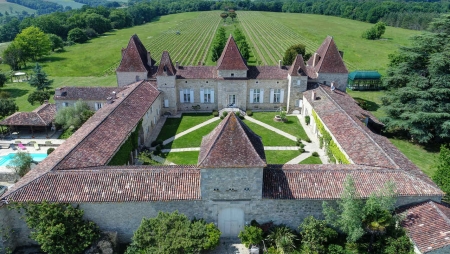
313,95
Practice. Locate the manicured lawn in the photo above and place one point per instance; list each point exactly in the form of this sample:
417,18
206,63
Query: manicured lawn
183,158
423,158
311,160
292,126
280,157
373,99
193,139
269,138
177,125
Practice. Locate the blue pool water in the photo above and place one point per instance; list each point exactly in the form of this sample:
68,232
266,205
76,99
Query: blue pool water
4,160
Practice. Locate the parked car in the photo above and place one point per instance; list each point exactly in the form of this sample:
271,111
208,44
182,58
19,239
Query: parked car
3,189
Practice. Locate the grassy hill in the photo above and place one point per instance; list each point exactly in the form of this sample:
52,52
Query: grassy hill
65,3
5,6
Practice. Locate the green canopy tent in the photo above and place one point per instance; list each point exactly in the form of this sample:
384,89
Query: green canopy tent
364,80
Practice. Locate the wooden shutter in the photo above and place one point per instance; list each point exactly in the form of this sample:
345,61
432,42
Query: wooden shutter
181,96
202,95
271,96
281,95
192,96
251,95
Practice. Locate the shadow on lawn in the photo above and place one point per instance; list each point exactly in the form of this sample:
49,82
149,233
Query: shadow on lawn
15,92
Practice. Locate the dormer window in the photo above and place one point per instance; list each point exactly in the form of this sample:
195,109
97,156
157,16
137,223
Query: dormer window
165,68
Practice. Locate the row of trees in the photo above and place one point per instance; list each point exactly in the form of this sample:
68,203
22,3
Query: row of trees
353,225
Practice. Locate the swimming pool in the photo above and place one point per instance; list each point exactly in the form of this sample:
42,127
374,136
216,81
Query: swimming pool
4,160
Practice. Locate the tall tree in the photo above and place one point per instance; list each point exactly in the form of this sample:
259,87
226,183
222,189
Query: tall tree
292,52
7,107
33,42
74,115
56,42
14,56
21,163
39,79
38,96
442,174
316,235
224,16
218,44
419,79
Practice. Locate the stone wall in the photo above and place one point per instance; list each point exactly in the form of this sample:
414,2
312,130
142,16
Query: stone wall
150,119
340,79
231,183
91,104
167,85
126,78
266,86
196,85
232,73
225,88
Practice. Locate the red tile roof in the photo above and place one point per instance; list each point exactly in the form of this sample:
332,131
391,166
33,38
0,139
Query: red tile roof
42,116
330,60
166,67
197,72
231,145
231,58
267,72
113,184
326,181
101,136
86,93
298,67
134,57
428,226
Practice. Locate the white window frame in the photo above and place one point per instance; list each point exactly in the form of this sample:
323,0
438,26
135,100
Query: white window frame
65,104
207,95
187,95
256,95
98,105
166,103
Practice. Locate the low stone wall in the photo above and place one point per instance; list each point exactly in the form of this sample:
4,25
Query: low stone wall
8,177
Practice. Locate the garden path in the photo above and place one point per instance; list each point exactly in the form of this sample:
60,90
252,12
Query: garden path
167,141
188,149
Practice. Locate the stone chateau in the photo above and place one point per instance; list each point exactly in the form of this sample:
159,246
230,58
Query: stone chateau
232,183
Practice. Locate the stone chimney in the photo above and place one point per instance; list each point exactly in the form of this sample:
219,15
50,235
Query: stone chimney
149,59
315,59
279,64
313,95
109,100
177,65
58,91
114,95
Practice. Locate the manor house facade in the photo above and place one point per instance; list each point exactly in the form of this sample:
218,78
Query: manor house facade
231,184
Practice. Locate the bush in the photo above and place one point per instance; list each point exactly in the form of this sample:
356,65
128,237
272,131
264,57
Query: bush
158,149
249,112
4,95
215,113
315,154
90,33
321,142
301,150
50,150
77,35
307,120
301,145
251,235
308,140
224,114
299,140
21,163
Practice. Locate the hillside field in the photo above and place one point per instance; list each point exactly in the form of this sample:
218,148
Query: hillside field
65,3
5,6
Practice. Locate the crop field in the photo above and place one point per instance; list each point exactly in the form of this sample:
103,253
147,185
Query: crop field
12,8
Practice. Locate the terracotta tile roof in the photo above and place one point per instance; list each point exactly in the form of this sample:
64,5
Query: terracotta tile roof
134,57
428,226
231,145
86,93
196,72
166,67
267,72
231,58
326,181
113,184
42,116
330,60
298,67
100,137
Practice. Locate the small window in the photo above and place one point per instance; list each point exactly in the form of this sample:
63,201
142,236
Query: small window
185,82
65,104
98,105
257,82
206,82
276,95
232,74
256,95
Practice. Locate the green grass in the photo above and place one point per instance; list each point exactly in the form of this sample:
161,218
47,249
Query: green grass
193,139
183,158
292,126
373,99
311,160
65,3
269,138
280,157
177,125
423,158
5,6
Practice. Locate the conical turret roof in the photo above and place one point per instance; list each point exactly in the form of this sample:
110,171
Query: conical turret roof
231,58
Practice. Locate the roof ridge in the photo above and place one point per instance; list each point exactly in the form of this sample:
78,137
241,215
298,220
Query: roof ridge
359,127
213,144
442,214
7,193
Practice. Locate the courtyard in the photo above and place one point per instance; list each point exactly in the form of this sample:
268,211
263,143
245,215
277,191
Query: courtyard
181,137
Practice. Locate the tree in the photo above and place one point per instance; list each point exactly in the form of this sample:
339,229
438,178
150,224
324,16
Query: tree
173,233
316,235
232,15
218,44
242,44
77,35
73,116
251,235
7,107
14,56
33,42
97,22
283,238
375,32
419,81
59,228
355,217
3,79
39,79
442,174
38,96
21,163
224,15
292,52
56,42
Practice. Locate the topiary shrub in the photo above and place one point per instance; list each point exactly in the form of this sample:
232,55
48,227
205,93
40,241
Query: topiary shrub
308,140
215,113
249,112
301,150
315,154
50,150
301,145
224,114
307,120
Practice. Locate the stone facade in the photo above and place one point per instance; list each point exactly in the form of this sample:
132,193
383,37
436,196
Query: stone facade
126,78
150,119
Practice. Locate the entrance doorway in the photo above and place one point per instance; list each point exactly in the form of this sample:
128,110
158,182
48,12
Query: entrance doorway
232,100
231,222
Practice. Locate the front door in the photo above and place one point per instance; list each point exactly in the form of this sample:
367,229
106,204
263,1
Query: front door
231,100
231,222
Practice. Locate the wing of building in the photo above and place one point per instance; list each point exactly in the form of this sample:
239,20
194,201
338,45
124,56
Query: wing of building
232,183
